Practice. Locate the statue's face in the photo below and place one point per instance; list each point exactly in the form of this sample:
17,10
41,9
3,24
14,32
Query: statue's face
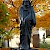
26,3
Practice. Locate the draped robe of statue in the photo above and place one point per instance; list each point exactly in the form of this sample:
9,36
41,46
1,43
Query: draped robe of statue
27,18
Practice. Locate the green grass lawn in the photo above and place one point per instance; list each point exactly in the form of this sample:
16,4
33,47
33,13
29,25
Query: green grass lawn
48,37
45,45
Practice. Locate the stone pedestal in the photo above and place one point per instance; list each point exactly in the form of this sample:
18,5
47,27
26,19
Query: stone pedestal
36,40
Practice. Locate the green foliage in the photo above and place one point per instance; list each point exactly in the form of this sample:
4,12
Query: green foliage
2,31
3,14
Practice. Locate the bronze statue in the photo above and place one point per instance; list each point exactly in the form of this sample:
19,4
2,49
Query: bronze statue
27,18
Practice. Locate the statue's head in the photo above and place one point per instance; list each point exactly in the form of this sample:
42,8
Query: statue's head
26,2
